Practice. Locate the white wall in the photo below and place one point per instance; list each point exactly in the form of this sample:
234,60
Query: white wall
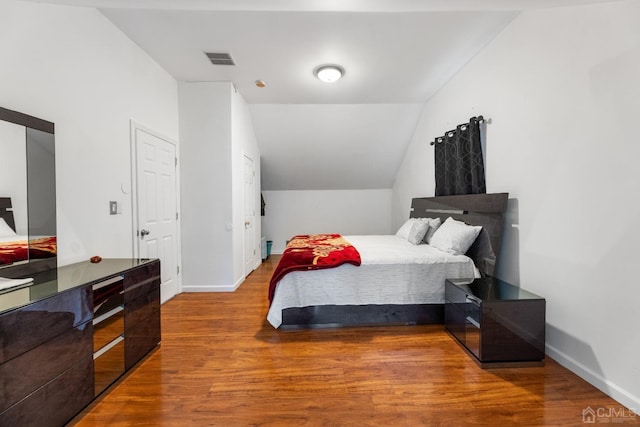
243,143
216,132
71,66
561,87
207,221
288,213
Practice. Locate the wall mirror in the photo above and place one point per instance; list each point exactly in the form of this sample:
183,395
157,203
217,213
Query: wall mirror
28,240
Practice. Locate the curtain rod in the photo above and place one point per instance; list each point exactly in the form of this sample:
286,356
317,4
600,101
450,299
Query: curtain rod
479,119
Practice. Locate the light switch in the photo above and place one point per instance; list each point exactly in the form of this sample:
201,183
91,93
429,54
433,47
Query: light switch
113,208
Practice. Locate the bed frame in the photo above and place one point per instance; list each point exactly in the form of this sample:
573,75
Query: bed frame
6,212
487,210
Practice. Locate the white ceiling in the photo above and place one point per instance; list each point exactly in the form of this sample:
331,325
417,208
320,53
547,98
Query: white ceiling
388,57
351,134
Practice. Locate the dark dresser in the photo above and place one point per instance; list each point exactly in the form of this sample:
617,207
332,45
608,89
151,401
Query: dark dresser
71,333
498,323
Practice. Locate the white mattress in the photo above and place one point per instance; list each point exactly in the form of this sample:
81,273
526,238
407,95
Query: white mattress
15,238
393,271
19,238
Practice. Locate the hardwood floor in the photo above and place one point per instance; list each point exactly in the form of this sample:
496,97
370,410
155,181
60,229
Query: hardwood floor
221,364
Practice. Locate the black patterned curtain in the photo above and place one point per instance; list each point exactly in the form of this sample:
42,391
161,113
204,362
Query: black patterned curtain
458,161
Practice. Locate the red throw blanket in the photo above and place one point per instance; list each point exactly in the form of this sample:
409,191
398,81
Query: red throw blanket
313,252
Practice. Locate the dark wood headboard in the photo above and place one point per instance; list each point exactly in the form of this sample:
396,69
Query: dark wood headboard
487,210
6,212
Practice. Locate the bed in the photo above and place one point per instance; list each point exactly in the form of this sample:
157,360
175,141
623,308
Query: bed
396,282
15,248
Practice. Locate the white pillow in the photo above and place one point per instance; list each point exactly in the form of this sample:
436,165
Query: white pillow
5,230
434,224
455,237
405,229
417,232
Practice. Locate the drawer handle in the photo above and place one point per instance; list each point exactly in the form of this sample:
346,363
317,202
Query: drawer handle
474,322
108,314
473,300
107,347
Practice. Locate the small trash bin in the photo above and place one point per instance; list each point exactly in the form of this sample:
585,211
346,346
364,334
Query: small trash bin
269,243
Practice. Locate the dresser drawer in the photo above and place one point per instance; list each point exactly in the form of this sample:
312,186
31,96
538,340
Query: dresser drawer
108,364
107,295
108,328
142,338
28,327
139,309
455,294
454,320
472,335
139,280
57,401
26,373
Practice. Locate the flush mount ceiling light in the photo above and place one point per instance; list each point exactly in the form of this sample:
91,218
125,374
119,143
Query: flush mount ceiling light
329,73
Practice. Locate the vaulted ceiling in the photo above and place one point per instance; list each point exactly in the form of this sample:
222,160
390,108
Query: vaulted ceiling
350,134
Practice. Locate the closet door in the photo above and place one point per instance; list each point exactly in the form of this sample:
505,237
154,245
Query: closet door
250,252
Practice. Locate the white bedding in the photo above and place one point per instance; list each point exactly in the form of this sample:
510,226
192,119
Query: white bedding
20,238
14,238
393,271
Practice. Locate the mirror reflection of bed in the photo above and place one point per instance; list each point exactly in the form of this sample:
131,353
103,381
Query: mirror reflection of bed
27,195
13,246
19,247
398,282
13,171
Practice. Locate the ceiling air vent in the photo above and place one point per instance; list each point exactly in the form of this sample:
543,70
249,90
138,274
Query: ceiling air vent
220,58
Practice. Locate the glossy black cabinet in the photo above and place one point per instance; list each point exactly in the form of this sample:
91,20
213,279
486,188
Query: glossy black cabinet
23,374
27,328
141,312
57,401
71,333
498,323
108,332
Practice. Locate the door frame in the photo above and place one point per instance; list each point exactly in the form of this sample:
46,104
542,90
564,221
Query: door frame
134,127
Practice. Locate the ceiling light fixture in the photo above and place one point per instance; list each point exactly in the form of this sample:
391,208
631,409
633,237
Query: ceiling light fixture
260,83
329,73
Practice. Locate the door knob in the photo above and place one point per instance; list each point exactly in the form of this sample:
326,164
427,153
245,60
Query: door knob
143,233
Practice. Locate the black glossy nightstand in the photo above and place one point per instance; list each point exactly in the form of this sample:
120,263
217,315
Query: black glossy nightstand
498,323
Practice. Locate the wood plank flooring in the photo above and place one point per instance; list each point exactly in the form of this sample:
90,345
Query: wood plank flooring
221,364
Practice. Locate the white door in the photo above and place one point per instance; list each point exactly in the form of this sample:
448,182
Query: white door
157,206
250,253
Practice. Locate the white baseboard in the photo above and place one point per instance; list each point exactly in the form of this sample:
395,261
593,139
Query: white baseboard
212,288
608,387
